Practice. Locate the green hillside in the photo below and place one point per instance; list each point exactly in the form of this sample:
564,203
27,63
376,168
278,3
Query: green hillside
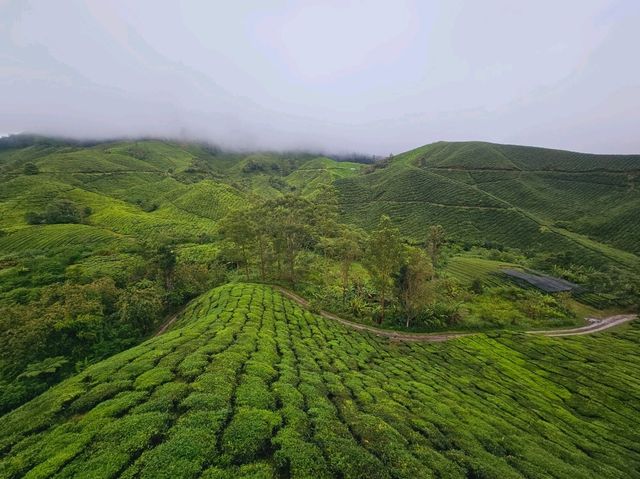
522,197
105,245
247,384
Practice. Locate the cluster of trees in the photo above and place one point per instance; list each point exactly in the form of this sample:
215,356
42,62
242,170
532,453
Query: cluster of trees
408,272
55,329
266,165
269,238
31,169
273,234
61,211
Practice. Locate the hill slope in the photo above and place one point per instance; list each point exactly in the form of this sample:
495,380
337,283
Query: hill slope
247,384
523,197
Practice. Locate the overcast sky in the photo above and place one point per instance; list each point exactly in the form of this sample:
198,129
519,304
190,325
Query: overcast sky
368,76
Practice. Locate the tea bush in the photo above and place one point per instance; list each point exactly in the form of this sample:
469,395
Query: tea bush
248,384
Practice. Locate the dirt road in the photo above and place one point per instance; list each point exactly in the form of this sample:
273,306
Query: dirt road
595,326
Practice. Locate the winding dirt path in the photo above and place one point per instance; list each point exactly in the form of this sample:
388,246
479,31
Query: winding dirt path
595,326
430,337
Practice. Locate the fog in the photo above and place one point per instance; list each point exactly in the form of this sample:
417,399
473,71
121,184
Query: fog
374,77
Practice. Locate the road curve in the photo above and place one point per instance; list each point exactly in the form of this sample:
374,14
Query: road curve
595,326
397,335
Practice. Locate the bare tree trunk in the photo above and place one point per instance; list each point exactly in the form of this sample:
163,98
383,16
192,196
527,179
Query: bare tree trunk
262,272
382,304
246,264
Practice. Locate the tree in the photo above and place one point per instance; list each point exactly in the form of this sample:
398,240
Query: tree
238,228
59,212
435,241
384,257
166,261
31,169
415,285
141,304
279,228
262,241
346,248
293,226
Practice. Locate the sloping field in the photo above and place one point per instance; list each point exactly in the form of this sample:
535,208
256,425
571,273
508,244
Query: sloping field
466,269
491,156
247,384
533,199
52,237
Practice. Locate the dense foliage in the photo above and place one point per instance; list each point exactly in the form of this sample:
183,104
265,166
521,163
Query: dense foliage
247,384
103,245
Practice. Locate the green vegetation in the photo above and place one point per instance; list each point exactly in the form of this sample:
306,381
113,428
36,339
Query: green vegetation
104,245
247,384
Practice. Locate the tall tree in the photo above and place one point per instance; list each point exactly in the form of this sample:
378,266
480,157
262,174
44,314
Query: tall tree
347,247
141,305
166,261
293,225
238,228
434,243
259,221
384,257
415,285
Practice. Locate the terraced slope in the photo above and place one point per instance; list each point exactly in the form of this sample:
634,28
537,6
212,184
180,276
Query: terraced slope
520,197
247,384
152,189
529,198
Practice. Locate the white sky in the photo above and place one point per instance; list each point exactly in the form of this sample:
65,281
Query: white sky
369,76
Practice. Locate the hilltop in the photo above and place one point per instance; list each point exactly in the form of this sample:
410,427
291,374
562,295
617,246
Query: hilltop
247,384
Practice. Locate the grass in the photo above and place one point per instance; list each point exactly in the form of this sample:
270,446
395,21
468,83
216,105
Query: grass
247,384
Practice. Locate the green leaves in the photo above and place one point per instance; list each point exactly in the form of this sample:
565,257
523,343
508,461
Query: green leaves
45,367
248,384
384,257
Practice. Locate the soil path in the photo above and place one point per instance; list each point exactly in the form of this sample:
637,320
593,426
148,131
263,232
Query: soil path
595,326
168,322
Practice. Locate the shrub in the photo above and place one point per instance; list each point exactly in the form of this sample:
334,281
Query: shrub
31,169
59,212
249,434
153,377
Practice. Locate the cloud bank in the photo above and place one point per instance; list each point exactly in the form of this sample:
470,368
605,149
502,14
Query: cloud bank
376,77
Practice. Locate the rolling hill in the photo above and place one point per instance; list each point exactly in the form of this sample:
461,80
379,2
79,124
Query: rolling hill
101,244
532,199
528,198
247,384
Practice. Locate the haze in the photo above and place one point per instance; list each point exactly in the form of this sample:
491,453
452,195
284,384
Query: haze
373,77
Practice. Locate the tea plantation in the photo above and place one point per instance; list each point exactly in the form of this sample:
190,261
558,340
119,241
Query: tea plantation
140,337
248,384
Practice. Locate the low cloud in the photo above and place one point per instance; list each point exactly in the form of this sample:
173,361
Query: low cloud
376,77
